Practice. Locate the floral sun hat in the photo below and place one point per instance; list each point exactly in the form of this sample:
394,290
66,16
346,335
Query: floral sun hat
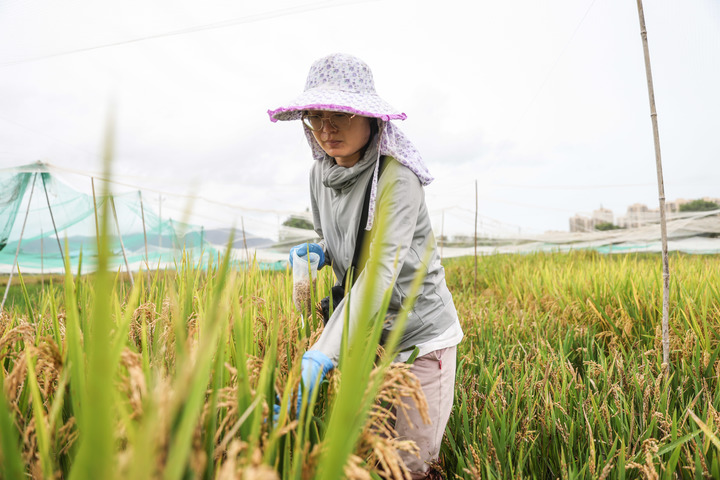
343,83
339,83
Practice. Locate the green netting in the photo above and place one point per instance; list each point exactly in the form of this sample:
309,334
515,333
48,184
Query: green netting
162,242
12,191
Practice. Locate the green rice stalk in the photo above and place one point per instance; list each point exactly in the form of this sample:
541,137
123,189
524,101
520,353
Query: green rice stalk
353,400
265,387
95,457
58,403
196,377
28,304
41,428
212,420
74,354
706,430
78,276
54,315
143,439
11,465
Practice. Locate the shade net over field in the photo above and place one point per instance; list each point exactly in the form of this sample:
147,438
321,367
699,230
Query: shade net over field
34,204
32,196
688,232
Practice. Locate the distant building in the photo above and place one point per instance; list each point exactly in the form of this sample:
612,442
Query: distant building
674,206
637,215
580,223
602,215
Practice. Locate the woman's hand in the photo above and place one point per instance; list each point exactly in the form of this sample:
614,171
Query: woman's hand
303,249
315,365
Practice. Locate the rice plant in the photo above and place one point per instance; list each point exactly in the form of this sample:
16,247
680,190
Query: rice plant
559,376
190,373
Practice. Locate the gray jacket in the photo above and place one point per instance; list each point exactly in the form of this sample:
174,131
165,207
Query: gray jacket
337,195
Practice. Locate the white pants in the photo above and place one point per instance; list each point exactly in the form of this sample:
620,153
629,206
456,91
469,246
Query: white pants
436,372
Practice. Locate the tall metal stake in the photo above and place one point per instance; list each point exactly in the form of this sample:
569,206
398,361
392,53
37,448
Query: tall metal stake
52,217
160,233
661,196
42,261
147,257
17,252
122,246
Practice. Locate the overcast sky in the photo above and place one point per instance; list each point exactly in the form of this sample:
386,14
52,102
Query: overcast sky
544,103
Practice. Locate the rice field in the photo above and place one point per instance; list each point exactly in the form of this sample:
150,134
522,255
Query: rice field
559,376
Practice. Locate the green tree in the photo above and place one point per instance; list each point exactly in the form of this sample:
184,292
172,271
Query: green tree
699,205
298,222
606,226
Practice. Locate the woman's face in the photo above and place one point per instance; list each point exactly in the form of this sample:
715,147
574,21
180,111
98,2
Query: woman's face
345,142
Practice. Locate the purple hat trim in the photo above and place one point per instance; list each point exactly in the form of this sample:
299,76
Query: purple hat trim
334,108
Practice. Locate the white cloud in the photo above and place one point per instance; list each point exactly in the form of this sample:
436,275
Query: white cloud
532,94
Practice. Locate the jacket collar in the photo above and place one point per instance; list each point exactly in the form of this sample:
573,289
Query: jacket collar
341,178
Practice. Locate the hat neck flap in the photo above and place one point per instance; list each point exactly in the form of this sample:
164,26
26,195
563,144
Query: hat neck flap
393,143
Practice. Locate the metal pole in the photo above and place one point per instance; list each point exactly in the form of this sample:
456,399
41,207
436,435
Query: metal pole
147,257
122,247
42,262
17,251
52,217
160,222
661,195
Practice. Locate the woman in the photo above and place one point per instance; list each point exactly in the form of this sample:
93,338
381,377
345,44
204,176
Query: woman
349,129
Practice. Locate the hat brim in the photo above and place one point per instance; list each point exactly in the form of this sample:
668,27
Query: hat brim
365,104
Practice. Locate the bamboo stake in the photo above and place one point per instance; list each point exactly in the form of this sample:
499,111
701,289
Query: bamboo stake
52,217
661,196
17,251
476,231
122,247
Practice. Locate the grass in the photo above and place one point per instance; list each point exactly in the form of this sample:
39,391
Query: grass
559,376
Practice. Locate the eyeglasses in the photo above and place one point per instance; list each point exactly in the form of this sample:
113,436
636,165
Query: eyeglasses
337,120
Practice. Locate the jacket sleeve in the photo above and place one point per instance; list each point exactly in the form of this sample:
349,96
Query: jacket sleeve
399,200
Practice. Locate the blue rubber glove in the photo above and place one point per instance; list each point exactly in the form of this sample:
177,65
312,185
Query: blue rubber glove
315,365
276,410
303,249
